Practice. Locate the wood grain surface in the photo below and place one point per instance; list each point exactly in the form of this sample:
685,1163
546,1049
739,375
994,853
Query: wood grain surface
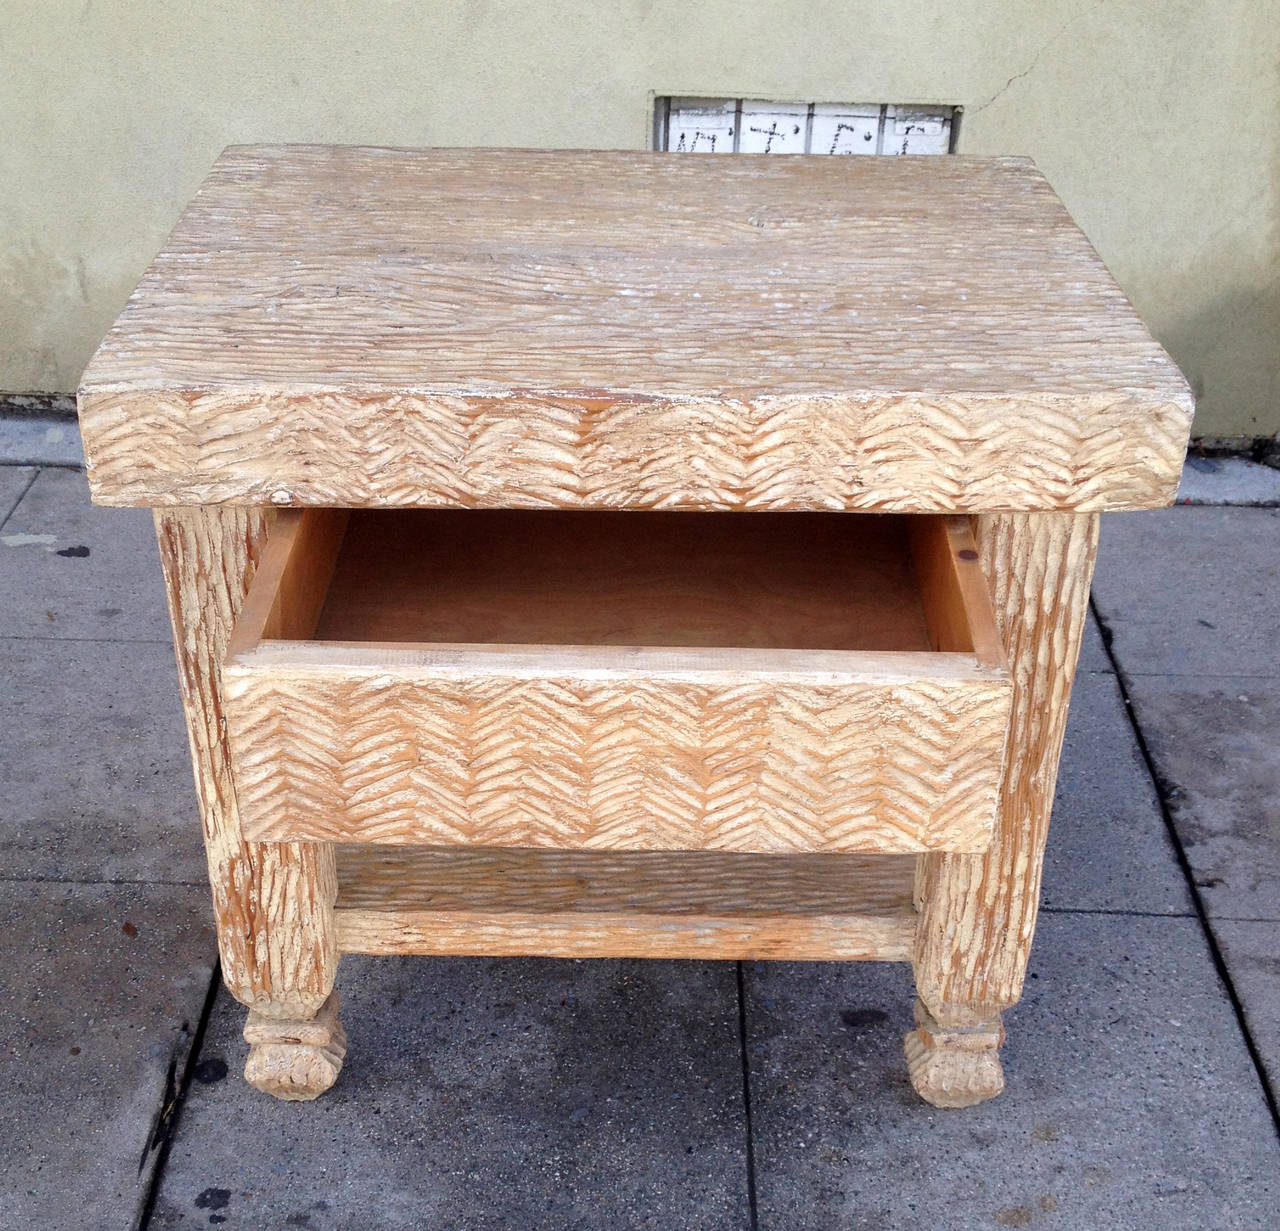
736,728
295,1059
357,326
775,580
386,752
604,904
978,912
273,904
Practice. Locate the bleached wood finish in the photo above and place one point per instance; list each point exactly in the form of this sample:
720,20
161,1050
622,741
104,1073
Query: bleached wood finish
355,326
295,1059
347,328
978,912
273,904
957,1065
496,903
622,748
367,746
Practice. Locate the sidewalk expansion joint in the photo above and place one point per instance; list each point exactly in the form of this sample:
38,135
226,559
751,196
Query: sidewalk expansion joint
1161,786
1124,914
8,513
43,463
93,882
753,1210
167,641
165,1126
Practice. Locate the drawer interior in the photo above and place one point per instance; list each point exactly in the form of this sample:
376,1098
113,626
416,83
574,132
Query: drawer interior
796,581
748,683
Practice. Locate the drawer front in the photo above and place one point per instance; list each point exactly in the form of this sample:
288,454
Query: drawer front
684,745
439,751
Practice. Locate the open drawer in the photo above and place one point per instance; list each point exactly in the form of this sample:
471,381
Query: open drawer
631,681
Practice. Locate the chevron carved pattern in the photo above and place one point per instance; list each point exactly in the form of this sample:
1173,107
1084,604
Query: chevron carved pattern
893,454
360,755
504,328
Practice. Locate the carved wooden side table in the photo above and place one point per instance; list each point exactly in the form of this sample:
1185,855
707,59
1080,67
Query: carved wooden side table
624,554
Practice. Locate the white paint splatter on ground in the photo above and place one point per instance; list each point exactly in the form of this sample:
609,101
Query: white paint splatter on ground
29,540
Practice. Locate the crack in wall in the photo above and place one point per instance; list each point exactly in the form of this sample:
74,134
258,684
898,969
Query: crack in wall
1035,59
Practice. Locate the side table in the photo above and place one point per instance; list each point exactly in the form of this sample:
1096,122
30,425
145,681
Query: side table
620,554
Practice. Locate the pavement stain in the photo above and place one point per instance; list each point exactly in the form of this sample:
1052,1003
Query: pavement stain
209,1071
213,1199
1264,964
302,1218
1214,749
29,540
1234,733
1014,1215
76,552
1024,1215
858,1019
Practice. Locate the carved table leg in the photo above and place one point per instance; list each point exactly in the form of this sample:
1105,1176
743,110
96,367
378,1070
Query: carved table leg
295,1058
956,1065
272,902
978,912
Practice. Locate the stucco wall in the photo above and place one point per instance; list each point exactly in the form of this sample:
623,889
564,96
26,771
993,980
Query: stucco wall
1156,121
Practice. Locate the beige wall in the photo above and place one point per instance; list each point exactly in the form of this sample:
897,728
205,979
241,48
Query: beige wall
1158,121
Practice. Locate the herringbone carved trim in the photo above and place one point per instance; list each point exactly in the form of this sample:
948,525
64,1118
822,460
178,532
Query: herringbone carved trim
905,453
359,755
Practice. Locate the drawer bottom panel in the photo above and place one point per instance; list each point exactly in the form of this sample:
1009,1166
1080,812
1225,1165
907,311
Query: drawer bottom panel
696,904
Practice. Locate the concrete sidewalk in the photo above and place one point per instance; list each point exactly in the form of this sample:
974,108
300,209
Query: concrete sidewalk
551,1094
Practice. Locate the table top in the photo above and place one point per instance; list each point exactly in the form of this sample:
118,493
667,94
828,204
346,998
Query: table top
362,326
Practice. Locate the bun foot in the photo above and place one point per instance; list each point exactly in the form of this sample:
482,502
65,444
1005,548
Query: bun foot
955,1066
295,1059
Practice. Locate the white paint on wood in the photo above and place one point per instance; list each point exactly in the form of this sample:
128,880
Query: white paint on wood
686,904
